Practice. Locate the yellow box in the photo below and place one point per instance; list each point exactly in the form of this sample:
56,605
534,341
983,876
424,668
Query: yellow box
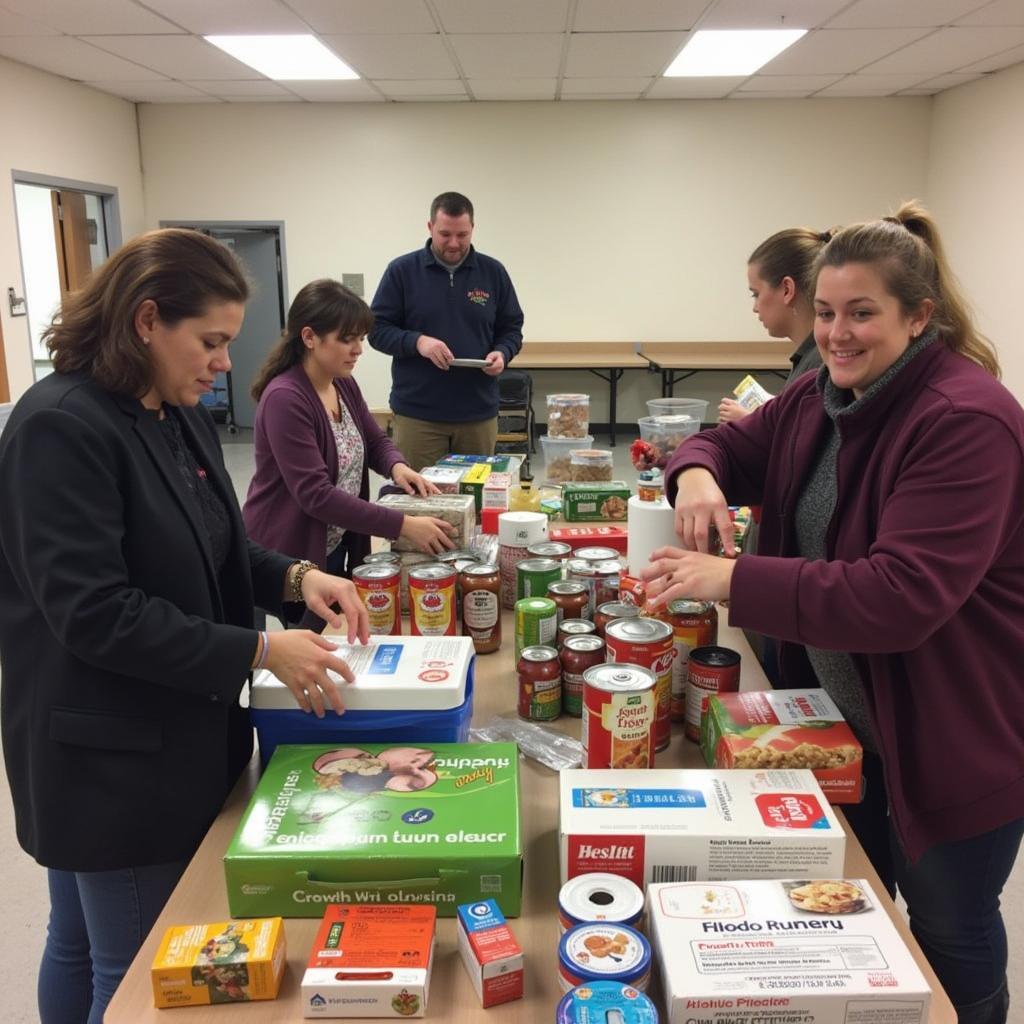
473,482
224,962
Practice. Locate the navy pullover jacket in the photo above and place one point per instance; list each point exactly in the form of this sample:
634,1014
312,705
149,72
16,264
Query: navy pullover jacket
473,310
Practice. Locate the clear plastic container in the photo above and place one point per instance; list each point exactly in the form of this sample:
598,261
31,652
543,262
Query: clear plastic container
568,415
664,434
695,407
558,455
589,465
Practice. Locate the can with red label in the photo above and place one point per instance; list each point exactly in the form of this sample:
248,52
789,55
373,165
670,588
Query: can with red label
619,709
432,600
694,624
539,673
648,643
377,585
711,670
578,654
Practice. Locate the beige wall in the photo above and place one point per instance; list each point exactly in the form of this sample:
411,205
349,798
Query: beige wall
976,189
55,127
615,220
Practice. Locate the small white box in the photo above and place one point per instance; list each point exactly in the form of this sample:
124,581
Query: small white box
495,491
445,478
817,952
683,825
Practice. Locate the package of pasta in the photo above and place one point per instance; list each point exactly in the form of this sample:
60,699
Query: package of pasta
750,394
784,729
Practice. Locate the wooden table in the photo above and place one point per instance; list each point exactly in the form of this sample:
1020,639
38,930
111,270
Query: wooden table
608,360
201,894
677,360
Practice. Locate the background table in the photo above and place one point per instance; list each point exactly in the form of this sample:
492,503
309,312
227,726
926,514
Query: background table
677,360
201,894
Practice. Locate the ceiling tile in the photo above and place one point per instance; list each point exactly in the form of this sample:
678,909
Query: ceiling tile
155,92
394,56
949,81
948,49
16,25
637,15
175,56
996,63
508,55
694,88
621,54
830,50
482,16
615,97
365,16
777,14
73,59
226,17
804,84
513,88
999,12
460,98
349,91
82,17
903,13
422,87
872,85
590,86
255,89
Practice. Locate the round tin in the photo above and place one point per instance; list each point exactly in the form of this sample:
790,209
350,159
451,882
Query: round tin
711,670
377,585
596,554
596,951
647,642
539,673
694,624
611,610
536,623
604,1002
388,557
574,627
451,557
599,896
555,549
432,600
619,708
534,575
578,653
571,598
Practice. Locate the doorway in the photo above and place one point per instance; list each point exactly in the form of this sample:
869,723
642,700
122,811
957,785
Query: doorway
260,248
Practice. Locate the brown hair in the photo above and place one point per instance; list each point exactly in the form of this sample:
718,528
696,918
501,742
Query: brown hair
182,271
455,204
324,306
790,253
907,253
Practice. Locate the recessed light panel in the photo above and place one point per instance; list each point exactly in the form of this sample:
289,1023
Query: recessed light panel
300,58
725,52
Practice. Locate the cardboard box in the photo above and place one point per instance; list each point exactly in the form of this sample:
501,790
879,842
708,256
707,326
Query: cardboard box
595,502
370,961
784,729
678,824
590,536
495,491
459,510
445,478
473,481
490,953
224,962
760,952
379,823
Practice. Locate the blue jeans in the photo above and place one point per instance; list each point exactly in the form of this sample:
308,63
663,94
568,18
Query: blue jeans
98,921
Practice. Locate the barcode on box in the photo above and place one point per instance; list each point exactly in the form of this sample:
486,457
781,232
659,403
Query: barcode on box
490,883
674,873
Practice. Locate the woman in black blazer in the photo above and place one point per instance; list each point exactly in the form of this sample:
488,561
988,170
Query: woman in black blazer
127,588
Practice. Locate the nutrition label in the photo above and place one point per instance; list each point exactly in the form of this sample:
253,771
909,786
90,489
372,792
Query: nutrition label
797,953
759,859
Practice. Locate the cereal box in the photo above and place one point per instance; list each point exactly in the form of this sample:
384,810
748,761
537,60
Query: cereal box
595,502
370,961
490,953
225,962
784,729
817,951
662,825
473,482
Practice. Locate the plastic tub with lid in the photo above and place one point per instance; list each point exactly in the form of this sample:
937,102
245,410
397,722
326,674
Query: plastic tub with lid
695,407
588,465
568,415
558,455
663,434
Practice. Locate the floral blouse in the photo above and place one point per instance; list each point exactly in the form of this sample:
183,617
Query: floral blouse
351,456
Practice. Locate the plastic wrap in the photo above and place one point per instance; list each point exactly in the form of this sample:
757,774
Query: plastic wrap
552,748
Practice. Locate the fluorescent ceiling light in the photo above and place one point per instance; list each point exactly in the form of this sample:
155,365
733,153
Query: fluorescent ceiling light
725,52
285,58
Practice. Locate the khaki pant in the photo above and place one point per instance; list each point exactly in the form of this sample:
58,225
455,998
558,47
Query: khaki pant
423,443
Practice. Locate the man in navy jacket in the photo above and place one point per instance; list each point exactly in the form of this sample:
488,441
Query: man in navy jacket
443,302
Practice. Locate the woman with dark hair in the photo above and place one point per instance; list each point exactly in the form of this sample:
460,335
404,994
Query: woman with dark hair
127,589
316,442
892,548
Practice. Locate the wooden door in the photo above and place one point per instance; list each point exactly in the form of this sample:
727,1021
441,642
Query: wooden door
5,387
71,233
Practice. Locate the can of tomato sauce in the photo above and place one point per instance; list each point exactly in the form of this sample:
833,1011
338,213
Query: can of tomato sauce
606,581
711,670
619,709
648,643
694,624
570,598
432,600
377,587
539,673
612,610
596,554
550,549
578,653
574,627
389,557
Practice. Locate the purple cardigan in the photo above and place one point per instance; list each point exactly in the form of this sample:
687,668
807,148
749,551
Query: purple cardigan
293,494
924,581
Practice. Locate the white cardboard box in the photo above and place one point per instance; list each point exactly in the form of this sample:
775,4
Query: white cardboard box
681,825
750,953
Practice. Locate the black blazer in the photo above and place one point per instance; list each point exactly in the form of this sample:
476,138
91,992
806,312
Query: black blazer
122,652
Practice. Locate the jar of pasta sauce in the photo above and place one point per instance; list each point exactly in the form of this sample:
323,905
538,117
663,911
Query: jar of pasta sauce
539,673
577,655
647,642
570,599
694,624
481,606
611,610
606,581
432,600
574,627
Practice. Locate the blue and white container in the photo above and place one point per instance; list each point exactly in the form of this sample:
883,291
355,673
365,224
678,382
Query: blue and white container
600,896
604,952
605,1002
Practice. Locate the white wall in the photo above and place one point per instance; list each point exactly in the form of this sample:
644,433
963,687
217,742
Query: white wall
976,190
617,221
56,127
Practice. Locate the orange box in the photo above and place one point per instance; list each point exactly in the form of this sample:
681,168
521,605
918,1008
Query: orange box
490,952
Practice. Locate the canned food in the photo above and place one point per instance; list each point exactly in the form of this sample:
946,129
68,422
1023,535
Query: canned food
451,557
605,1001
570,598
534,575
596,554
648,643
574,627
481,606
377,585
597,951
611,610
536,623
599,896
578,653
540,684
387,557
550,549
619,708
711,670
694,624
432,600
606,583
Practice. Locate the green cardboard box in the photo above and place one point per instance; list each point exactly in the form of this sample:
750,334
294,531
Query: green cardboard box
379,823
595,502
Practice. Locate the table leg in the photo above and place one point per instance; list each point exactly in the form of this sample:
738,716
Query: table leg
613,389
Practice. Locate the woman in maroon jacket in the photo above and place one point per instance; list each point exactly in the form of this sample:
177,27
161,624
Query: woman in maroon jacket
316,441
892,547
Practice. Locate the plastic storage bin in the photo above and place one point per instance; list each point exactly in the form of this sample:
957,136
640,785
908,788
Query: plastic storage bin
695,407
587,465
568,415
665,434
558,455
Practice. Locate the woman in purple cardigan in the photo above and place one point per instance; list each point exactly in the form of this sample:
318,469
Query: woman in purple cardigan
316,442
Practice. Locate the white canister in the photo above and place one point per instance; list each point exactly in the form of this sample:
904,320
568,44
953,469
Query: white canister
600,896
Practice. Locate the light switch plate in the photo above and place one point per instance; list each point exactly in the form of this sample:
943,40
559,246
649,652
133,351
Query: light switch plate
354,282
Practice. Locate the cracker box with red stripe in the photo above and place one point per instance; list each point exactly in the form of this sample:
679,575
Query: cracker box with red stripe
490,952
677,824
590,536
